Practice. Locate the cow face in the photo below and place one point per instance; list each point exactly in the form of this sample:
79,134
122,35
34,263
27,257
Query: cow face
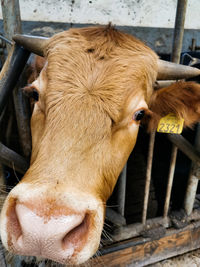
92,94
91,98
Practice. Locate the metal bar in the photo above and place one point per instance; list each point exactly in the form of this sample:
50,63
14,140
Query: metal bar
11,18
115,217
179,30
183,145
191,191
12,25
12,159
6,40
121,191
176,51
133,230
193,179
148,176
22,112
170,180
194,171
2,178
9,121
2,256
10,73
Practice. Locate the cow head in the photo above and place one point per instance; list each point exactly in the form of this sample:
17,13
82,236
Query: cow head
90,98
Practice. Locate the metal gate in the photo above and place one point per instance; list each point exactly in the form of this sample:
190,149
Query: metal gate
136,244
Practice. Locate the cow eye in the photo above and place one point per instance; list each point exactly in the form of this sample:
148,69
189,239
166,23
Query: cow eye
139,115
31,92
35,95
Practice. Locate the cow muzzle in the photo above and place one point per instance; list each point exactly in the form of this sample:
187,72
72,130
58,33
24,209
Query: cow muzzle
67,233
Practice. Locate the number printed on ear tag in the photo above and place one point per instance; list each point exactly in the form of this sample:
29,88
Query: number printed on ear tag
170,124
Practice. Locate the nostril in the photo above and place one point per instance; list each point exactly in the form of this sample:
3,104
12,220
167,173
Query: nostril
78,235
59,236
13,225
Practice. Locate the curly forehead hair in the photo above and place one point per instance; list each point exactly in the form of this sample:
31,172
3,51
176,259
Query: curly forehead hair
101,62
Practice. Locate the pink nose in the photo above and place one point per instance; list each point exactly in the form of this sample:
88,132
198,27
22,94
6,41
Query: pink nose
55,238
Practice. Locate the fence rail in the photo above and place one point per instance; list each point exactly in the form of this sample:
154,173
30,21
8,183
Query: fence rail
16,63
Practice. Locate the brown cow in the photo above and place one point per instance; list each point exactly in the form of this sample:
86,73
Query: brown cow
93,92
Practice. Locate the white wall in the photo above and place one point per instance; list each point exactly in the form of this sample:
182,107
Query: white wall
146,13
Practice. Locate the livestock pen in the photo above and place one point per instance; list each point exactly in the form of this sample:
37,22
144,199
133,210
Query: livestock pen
154,212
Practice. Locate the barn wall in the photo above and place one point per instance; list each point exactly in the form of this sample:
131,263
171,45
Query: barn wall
152,21
140,13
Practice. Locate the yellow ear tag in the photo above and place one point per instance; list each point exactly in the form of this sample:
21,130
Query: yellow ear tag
170,124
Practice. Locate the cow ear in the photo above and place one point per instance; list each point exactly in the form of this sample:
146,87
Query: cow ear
181,98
